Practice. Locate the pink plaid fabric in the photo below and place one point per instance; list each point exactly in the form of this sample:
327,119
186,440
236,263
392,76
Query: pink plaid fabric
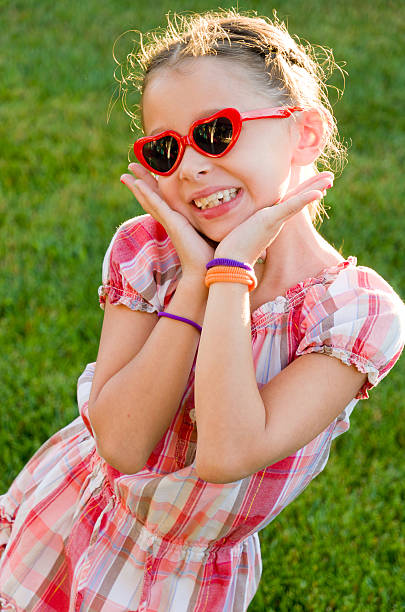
76,535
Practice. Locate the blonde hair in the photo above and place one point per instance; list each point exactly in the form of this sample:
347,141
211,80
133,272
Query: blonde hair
294,73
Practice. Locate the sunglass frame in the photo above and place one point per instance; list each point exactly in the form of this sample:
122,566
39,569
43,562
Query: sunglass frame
236,118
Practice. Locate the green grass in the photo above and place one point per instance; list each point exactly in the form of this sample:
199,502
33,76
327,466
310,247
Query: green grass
337,547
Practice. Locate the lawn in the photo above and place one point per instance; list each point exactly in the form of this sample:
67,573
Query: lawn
338,547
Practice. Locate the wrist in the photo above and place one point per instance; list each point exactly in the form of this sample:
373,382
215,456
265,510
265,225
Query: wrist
231,254
189,300
193,290
193,282
243,257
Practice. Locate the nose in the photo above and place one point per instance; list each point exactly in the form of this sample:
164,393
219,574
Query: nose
193,165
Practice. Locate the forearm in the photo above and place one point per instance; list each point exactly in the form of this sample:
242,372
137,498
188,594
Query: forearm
229,408
135,407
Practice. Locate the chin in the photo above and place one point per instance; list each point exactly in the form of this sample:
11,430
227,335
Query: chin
214,242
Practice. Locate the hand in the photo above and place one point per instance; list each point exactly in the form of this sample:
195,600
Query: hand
248,241
193,251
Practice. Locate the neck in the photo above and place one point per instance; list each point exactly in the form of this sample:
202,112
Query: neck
298,252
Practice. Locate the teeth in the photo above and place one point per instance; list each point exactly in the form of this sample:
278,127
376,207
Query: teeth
215,199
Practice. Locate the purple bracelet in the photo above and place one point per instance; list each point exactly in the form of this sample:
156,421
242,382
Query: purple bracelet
228,262
172,316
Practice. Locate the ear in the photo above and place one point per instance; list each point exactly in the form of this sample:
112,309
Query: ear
311,130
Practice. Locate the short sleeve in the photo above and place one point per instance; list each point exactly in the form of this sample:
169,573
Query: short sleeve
359,319
141,268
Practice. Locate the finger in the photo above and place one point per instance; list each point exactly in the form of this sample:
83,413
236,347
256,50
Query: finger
288,208
149,199
142,173
174,223
321,181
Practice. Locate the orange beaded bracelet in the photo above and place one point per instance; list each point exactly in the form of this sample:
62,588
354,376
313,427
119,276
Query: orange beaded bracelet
229,274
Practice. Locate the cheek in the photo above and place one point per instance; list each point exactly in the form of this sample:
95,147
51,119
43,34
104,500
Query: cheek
275,171
266,179
167,191
265,158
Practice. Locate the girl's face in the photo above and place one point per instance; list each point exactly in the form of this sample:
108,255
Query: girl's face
259,168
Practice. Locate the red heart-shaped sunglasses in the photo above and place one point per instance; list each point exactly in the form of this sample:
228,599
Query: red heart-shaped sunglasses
213,136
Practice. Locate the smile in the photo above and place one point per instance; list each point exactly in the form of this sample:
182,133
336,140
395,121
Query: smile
216,199
221,208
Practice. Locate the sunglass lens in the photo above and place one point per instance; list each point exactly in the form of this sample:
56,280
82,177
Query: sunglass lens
161,154
215,136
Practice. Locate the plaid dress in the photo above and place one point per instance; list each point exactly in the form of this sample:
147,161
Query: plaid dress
77,535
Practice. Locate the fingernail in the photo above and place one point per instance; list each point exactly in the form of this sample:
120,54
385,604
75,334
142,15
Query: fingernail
123,182
329,186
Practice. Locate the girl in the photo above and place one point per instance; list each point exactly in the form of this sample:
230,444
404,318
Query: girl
188,445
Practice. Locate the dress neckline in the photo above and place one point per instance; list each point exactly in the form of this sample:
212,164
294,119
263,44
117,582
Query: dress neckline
283,303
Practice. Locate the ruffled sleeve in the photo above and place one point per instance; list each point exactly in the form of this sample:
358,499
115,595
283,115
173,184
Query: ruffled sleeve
141,268
359,319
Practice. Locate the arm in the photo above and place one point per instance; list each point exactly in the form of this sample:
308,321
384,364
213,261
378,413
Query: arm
142,369
144,362
256,428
